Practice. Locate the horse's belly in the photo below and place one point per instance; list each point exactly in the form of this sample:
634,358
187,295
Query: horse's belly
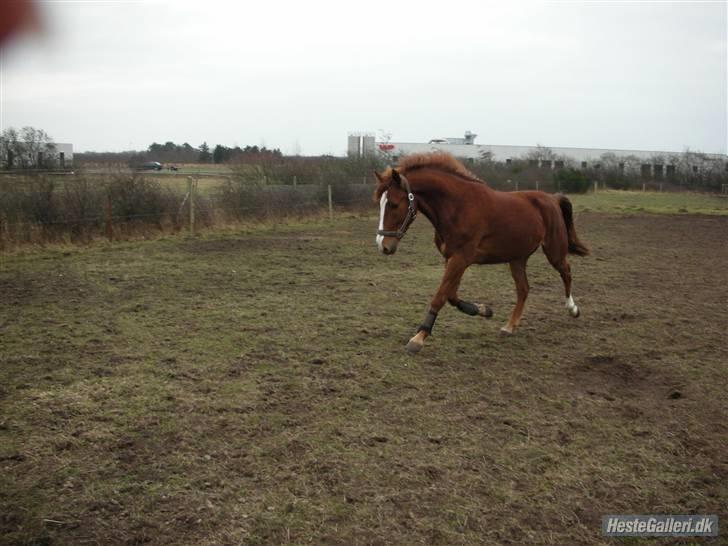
507,247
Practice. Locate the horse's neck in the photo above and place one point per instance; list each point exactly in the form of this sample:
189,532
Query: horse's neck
439,196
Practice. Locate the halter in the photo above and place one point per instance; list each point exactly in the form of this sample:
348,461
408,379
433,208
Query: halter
411,213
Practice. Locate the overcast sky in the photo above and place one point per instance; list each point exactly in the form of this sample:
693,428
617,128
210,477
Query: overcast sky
300,75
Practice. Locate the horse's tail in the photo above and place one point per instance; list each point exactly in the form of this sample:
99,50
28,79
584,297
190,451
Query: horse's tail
575,245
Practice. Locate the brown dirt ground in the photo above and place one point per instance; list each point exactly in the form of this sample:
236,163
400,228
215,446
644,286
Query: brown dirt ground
252,388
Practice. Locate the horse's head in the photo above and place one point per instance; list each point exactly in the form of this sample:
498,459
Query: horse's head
397,209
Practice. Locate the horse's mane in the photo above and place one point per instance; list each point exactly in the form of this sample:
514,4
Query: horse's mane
441,161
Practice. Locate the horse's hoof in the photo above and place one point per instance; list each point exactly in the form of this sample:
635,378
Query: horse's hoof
484,310
414,346
574,312
504,332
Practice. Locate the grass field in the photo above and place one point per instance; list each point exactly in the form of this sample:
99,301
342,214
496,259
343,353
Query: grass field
635,202
250,386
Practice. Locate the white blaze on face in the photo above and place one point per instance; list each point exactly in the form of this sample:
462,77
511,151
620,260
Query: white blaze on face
382,208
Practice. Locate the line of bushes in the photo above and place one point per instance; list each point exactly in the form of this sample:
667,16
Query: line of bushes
503,176
44,208
39,209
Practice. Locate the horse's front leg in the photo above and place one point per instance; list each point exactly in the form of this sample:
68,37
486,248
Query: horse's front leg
447,291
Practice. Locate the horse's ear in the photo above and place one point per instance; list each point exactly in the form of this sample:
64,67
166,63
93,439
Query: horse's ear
379,176
395,176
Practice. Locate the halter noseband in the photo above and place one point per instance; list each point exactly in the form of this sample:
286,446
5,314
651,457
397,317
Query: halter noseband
411,213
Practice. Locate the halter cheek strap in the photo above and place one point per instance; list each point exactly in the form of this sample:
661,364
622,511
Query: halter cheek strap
411,213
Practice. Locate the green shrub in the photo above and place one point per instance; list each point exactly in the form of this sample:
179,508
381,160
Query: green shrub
571,181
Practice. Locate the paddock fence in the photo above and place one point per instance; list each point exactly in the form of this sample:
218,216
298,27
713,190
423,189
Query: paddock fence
77,209
81,207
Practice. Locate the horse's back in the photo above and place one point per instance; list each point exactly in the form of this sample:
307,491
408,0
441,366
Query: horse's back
531,209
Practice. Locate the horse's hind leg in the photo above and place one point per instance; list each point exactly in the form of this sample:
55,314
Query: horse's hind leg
565,272
560,264
518,271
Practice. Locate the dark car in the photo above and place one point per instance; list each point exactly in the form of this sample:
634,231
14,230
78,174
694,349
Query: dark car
151,166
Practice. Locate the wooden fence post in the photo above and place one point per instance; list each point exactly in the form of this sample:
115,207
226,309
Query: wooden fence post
536,185
191,193
516,185
596,186
331,205
295,180
109,225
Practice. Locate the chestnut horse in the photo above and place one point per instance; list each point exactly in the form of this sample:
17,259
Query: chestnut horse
474,224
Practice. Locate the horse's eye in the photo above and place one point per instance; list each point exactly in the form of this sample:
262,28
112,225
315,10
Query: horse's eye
391,205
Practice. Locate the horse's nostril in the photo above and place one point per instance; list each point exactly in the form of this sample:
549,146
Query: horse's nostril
385,250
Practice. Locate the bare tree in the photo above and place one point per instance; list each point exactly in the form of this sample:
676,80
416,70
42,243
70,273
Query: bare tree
26,148
487,156
9,143
541,153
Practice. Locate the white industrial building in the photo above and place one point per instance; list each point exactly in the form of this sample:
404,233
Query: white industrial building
648,162
64,154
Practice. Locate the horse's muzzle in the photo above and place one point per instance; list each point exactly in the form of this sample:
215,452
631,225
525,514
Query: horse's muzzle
389,246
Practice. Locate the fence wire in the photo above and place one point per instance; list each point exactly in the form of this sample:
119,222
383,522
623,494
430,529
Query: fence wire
41,207
28,214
